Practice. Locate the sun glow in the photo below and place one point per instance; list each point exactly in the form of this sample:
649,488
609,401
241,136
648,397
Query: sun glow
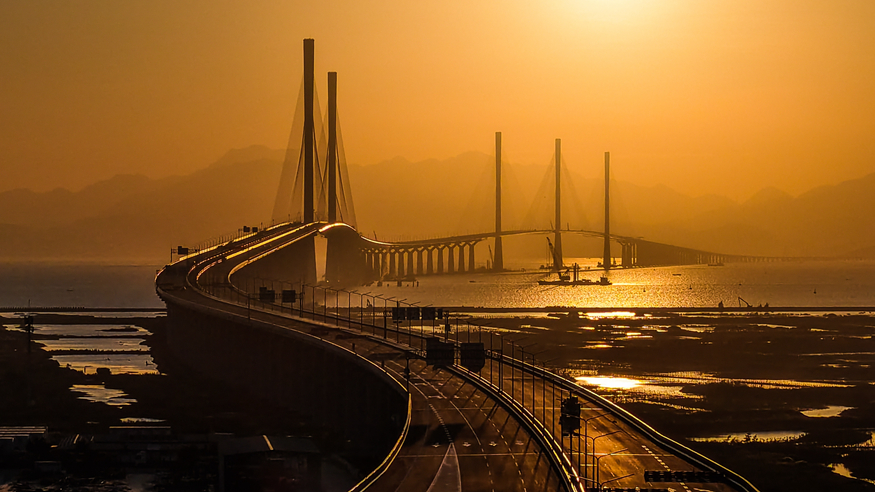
614,11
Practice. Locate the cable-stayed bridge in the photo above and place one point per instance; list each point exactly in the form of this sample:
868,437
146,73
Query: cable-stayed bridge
420,399
315,187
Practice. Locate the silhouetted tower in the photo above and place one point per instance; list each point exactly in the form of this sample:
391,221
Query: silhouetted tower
557,235
498,260
309,132
332,146
606,261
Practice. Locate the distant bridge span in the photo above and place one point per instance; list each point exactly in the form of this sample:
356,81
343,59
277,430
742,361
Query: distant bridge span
313,190
448,254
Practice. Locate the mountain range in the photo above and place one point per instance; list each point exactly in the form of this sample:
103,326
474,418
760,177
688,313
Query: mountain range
134,219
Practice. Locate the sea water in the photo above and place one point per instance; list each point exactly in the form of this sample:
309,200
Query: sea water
78,285
831,283
826,283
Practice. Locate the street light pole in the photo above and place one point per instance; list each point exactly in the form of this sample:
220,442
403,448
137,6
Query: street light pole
594,439
585,435
598,460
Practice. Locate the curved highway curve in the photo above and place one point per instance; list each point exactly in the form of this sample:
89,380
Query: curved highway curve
452,435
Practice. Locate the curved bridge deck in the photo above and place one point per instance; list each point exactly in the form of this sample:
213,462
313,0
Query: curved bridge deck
497,429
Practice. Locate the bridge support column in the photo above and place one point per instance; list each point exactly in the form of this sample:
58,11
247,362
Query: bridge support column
429,263
626,258
471,265
410,271
419,269
384,267
450,264
401,271
440,259
461,258
392,271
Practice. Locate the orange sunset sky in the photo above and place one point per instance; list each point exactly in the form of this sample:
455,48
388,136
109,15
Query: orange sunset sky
705,96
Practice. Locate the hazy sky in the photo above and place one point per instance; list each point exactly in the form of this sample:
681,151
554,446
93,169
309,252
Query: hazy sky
704,96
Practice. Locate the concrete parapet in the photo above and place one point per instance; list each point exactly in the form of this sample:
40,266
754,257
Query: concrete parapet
327,384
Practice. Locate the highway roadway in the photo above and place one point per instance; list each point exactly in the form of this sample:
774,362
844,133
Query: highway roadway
615,454
460,437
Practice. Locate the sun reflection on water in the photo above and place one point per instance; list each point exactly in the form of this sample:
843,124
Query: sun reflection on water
611,314
609,382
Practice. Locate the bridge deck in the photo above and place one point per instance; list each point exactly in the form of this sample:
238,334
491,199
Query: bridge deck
462,438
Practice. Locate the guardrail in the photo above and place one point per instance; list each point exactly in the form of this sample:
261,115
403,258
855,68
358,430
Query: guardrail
688,454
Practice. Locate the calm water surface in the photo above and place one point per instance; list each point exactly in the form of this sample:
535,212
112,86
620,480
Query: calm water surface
53,284
793,284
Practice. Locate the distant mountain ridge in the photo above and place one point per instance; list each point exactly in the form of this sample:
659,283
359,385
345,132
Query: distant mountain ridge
134,218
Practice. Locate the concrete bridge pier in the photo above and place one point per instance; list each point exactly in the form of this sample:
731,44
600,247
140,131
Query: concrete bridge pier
628,259
471,265
392,272
345,257
410,270
429,263
450,265
440,259
419,269
367,259
461,258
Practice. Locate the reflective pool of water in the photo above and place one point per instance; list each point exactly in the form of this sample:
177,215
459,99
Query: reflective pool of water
752,436
141,420
118,364
84,331
111,345
99,394
96,344
830,411
841,469
611,382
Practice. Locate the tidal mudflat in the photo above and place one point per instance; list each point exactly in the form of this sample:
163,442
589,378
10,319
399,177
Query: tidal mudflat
787,400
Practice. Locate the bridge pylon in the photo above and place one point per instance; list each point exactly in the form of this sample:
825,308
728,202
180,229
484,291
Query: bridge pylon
498,258
606,260
558,261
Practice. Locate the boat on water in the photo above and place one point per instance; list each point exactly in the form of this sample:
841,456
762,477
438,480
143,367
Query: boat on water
565,279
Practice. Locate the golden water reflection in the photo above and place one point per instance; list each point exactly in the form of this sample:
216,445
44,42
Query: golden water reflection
830,411
611,314
99,394
609,382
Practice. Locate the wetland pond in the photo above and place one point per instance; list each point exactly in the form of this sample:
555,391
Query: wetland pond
97,349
